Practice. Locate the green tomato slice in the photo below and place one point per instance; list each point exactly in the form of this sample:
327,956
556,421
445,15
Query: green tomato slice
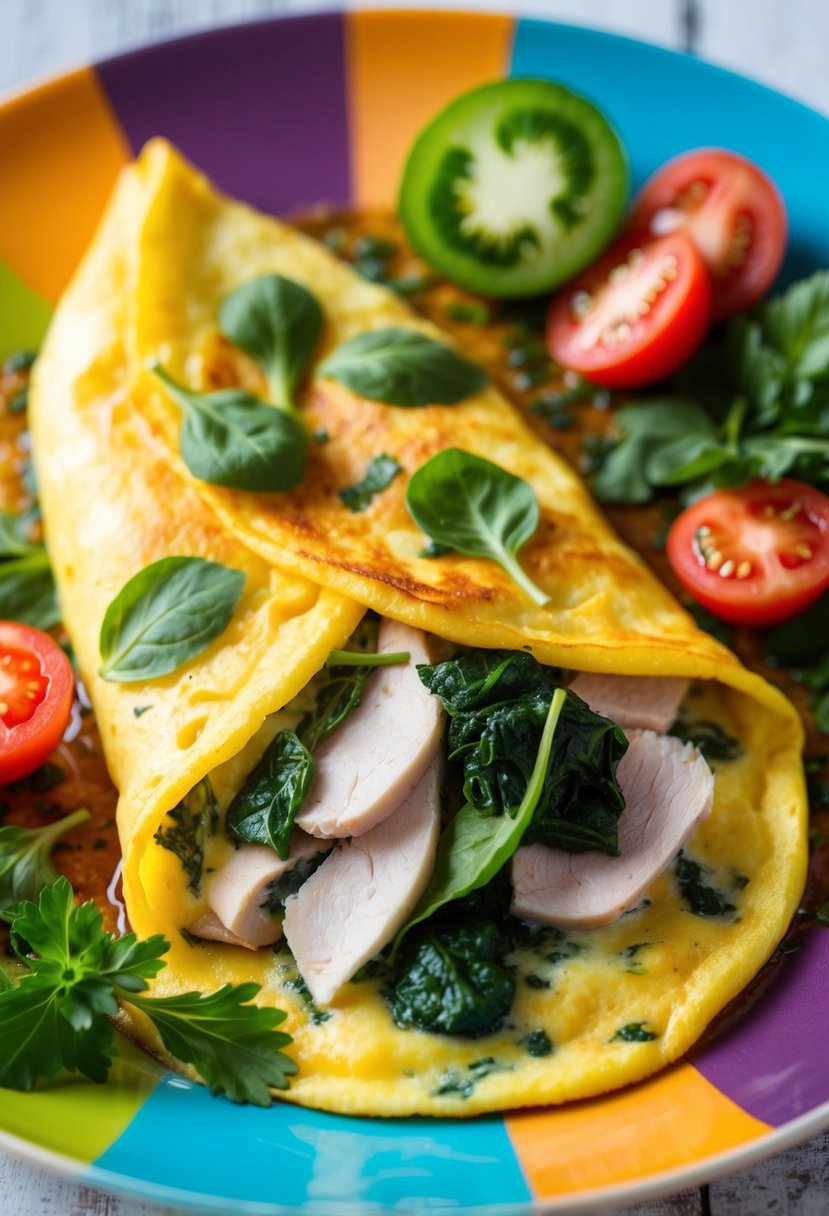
514,188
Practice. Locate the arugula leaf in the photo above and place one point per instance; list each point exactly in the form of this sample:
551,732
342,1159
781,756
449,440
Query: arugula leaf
278,323
264,810
380,473
191,824
474,847
165,615
26,860
453,981
477,508
58,1016
232,1044
403,367
233,438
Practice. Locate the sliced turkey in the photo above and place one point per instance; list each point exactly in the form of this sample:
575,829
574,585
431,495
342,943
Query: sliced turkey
210,928
370,764
238,890
640,702
668,789
364,892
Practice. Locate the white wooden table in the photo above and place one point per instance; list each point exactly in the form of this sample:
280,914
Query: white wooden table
781,42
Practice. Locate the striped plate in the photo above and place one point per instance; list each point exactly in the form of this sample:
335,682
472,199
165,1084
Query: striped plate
323,108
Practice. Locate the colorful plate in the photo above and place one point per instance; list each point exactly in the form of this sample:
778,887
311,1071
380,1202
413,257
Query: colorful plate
323,108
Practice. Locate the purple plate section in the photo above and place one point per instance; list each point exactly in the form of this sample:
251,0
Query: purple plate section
774,1062
260,108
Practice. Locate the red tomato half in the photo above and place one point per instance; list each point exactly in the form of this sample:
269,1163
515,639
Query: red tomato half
754,556
36,686
733,213
635,316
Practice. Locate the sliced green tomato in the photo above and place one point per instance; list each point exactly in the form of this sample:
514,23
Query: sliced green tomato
513,188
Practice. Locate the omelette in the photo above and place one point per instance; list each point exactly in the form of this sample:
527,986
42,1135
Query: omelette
595,996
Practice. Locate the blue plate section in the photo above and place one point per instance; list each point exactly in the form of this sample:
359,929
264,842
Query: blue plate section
688,104
189,1142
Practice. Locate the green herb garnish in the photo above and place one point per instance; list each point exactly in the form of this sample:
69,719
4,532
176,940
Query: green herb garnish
380,473
165,615
27,589
477,508
59,1015
360,658
26,860
403,367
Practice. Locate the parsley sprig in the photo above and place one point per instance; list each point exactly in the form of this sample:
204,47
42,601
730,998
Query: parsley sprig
754,403
59,1015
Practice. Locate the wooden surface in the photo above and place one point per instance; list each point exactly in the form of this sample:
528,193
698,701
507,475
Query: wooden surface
784,43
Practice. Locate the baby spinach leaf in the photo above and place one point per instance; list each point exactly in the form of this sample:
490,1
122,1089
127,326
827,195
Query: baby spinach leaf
337,697
278,323
380,473
191,823
233,438
403,367
165,615
473,847
26,860
264,810
453,981
477,508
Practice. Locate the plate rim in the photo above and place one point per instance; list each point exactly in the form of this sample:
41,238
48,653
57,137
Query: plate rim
652,1186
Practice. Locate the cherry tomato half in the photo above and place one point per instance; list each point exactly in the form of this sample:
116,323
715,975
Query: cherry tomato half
635,316
733,213
36,686
754,556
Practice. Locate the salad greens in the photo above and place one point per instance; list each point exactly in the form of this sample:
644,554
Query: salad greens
754,403
403,367
477,508
165,615
59,1014
380,473
26,860
27,588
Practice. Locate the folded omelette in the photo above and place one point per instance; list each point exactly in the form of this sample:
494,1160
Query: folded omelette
594,1007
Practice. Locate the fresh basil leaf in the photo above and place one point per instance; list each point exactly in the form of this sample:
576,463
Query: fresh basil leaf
278,323
27,590
26,860
264,810
474,847
187,828
403,367
165,615
380,473
477,508
233,438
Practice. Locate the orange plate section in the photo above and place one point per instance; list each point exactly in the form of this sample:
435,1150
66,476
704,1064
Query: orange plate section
421,61
60,147
674,1120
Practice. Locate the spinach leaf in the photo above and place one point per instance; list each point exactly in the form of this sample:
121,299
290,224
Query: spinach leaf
232,438
282,888
710,739
634,1032
27,590
380,473
264,810
26,860
474,847
403,367
192,822
278,323
166,615
698,893
537,1043
477,508
453,981
338,696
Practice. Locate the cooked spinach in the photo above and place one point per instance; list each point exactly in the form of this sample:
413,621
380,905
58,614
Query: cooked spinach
537,1043
701,897
452,981
264,810
166,615
403,367
289,883
380,473
338,695
634,1032
278,323
478,509
235,439
709,738
192,822
462,1084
